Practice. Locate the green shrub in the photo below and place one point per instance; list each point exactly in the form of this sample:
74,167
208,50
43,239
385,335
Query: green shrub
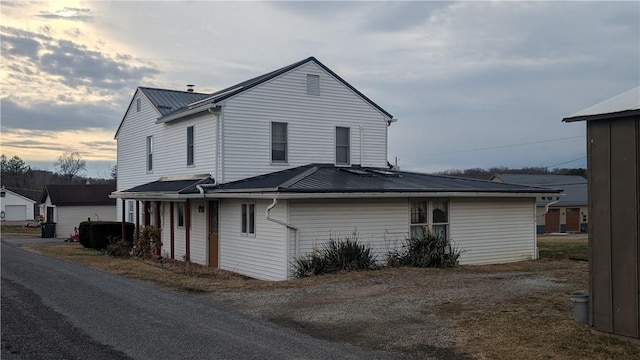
336,255
148,243
102,231
83,233
425,250
118,247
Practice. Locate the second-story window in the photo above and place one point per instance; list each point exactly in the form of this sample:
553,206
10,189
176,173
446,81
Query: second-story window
149,153
342,146
278,142
190,148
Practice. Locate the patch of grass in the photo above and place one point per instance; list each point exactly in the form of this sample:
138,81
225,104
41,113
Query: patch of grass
17,229
561,249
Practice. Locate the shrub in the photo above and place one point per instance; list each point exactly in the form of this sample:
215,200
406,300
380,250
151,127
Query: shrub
83,233
336,255
148,243
118,247
425,250
102,231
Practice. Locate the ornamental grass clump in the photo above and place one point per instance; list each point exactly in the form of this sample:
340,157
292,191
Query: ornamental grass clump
334,256
426,250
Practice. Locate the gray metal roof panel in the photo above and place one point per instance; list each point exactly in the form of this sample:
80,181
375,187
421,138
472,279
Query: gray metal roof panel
170,186
323,178
573,187
167,101
627,101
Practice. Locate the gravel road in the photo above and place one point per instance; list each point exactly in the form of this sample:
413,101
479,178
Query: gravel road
72,306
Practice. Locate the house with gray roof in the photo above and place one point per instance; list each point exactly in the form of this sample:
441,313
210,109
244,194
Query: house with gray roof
568,213
257,174
68,205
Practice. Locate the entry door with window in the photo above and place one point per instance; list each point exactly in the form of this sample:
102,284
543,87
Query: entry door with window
213,233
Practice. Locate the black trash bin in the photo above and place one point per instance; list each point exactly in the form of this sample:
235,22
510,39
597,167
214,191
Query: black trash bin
48,230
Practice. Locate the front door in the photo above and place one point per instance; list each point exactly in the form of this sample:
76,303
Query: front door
552,221
213,233
573,219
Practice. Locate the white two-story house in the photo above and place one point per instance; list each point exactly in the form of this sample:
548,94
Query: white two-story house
252,176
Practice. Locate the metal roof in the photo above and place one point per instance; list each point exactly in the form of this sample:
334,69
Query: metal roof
619,104
327,178
167,101
248,84
574,187
170,186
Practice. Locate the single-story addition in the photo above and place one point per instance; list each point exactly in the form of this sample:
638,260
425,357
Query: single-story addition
259,225
15,207
566,214
69,205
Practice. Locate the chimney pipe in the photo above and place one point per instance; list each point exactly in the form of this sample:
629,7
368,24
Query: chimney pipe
190,87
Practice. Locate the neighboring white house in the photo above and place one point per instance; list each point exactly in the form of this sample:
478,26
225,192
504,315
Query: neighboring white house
565,214
15,207
69,205
257,174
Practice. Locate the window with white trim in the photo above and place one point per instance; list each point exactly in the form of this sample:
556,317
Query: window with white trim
279,138
180,214
343,135
149,153
313,84
130,211
429,216
248,221
190,148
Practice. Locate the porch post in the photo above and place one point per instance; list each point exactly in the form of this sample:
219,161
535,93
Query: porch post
187,229
124,212
171,230
156,215
137,219
147,213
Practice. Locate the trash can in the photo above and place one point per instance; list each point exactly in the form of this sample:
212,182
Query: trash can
48,230
580,300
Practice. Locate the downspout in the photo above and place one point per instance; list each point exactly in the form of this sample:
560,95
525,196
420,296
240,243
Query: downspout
289,226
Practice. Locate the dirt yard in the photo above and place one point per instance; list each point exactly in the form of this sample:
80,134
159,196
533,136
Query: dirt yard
512,311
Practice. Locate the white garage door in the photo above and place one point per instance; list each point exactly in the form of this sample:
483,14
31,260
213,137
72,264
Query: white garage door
15,212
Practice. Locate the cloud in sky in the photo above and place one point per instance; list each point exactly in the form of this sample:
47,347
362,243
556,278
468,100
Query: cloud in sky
457,75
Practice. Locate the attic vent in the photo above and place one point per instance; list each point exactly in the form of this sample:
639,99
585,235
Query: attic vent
313,84
164,107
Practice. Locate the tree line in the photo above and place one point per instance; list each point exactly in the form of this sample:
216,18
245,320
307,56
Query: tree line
486,174
70,169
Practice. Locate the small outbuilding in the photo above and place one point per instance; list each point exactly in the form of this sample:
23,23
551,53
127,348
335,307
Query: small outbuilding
16,208
613,163
69,205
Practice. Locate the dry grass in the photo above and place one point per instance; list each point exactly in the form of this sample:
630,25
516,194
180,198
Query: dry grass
508,311
18,229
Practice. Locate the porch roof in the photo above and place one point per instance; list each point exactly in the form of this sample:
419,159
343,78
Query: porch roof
165,187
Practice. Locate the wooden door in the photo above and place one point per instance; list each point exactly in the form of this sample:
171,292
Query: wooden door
573,219
213,233
552,221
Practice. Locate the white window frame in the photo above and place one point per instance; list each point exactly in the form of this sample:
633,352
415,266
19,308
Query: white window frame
347,146
286,143
131,211
248,218
429,224
149,152
191,147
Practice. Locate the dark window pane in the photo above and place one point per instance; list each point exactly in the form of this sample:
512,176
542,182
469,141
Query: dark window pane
244,218
278,142
252,219
440,214
342,136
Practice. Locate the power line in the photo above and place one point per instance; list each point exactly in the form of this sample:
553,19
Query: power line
506,146
566,162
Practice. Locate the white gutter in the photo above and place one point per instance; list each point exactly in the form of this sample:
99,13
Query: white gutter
201,187
289,226
185,113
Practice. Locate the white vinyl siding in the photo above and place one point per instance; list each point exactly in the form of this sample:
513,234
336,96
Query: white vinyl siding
16,207
311,123
263,256
169,147
198,234
69,217
381,223
491,231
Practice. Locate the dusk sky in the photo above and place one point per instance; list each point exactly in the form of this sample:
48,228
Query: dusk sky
472,84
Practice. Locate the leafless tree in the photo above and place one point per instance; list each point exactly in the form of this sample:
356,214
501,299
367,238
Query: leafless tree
70,165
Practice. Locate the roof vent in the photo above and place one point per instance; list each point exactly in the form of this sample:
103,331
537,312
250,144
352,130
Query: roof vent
190,87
